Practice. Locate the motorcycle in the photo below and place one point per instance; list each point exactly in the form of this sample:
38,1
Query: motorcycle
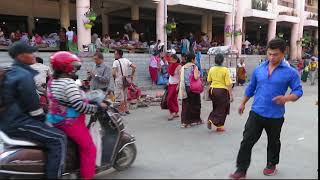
115,148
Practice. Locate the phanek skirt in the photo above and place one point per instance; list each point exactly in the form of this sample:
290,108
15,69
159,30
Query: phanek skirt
220,106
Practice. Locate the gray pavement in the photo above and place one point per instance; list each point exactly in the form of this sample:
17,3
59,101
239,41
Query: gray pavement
169,152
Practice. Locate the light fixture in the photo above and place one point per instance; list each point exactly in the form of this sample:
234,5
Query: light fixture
37,19
260,27
3,22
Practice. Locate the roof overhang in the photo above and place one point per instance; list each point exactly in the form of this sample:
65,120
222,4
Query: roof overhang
259,14
209,5
286,18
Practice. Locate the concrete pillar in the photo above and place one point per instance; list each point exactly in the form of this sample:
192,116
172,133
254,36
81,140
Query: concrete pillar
84,35
272,29
64,13
31,25
135,17
105,23
210,32
293,41
299,7
204,23
244,30
228,24
316,36
160,21
238,24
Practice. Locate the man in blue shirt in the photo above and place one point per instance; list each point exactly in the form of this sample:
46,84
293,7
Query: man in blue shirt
268,85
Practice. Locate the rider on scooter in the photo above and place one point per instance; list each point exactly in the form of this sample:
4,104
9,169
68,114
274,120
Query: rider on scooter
23,117
68,106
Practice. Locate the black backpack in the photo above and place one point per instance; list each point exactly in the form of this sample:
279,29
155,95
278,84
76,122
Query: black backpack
3,72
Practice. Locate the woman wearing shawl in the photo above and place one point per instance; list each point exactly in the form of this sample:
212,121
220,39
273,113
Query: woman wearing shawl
174,78
191,102
241,72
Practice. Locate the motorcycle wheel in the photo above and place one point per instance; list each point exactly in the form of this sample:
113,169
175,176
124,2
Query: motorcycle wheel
125,158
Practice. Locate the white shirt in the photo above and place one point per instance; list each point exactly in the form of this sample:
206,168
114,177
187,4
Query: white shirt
241,65
247,43
175,78
69,35
43,70
125,64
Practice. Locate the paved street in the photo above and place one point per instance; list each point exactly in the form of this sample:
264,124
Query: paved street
167,151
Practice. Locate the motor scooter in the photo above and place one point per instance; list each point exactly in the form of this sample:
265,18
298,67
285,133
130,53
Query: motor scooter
115,148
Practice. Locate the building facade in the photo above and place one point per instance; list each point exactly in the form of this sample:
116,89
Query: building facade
234,20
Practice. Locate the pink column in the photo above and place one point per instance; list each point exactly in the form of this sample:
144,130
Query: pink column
272,29
204,23
64,13
301,13
160,21
316,36
209,31
293,41
228,23
272,26
238,24
135,17
84,35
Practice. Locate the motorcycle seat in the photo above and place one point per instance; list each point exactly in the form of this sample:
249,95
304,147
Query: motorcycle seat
16,142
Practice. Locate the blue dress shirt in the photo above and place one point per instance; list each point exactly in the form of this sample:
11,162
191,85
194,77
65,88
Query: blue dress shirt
265,87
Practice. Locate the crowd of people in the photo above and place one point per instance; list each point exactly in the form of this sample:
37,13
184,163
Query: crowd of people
51,40
185,82
252,49
308,68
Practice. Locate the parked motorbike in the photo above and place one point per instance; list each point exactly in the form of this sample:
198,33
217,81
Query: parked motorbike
115,148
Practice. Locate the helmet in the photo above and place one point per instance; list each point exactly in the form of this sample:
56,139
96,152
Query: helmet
65,62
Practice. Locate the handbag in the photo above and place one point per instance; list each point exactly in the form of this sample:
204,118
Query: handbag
125,82
195,85
163,103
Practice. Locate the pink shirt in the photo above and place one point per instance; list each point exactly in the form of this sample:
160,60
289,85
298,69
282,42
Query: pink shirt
154,61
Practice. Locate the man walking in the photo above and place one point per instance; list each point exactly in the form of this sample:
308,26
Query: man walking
268,85
120,70
101,75
23,117
44,74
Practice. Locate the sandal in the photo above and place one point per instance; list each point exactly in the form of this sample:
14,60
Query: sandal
176,116
185,125
209,124
170,118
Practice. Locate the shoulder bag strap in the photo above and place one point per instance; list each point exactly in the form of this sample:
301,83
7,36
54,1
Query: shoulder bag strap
120,67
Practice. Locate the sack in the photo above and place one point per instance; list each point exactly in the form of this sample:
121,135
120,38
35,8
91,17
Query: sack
164,69
162,79
164,104
3,72
195,85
